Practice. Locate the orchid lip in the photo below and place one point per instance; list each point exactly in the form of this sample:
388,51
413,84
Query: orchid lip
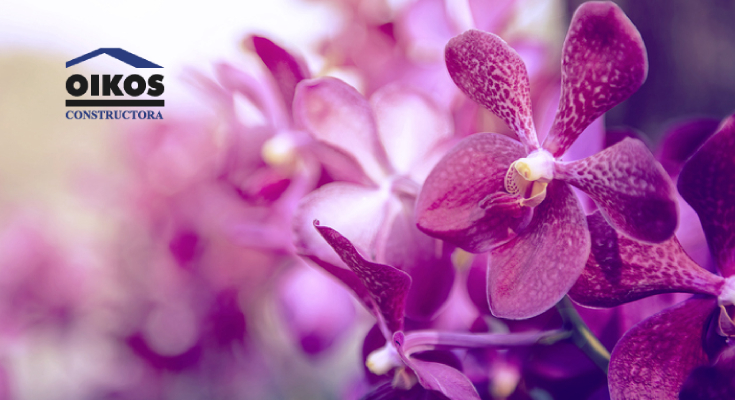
528,177
727,295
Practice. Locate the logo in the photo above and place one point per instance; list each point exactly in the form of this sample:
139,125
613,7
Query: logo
115,90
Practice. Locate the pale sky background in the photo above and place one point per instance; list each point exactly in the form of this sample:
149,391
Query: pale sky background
171,32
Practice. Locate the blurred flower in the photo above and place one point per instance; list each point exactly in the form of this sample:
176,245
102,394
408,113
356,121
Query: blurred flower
386,42
316,310
491,193
381,150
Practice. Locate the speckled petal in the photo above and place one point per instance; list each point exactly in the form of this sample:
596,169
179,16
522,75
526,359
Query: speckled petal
450,205
707,183
337,115
387,285
630,187
604,61
286,69
436,376
532,272
654,358
494,75
620,270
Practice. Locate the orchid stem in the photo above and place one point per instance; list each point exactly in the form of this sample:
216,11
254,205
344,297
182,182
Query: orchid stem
582,336
417,341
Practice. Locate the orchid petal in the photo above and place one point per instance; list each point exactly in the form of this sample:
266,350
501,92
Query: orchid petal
436,376
631,189
712,381
340,117
492,15
315,309
362,214
349,279
682,140
706,183
654,358
254,90
286,69
604,62
532,272
409,124
592,142
450,205
620,270
494,75
425,28
387,285
426,260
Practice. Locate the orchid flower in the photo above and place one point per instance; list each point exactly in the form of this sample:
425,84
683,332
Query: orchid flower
492,193
378,151
657,356
383,290
266,160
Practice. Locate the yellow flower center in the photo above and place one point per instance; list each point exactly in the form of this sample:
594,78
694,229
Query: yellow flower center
528,177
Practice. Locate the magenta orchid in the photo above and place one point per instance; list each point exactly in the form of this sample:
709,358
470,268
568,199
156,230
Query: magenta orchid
656,357
492,193
383,290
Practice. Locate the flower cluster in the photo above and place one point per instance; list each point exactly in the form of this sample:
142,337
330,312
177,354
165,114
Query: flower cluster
410,209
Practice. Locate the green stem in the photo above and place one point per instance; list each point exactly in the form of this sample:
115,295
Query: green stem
582,336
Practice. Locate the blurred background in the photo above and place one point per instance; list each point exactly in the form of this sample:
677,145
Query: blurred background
127,269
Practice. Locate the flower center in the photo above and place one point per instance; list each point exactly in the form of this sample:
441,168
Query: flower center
528,177
280,151
383,359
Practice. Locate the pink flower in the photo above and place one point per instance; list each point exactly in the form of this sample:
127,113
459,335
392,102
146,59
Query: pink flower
491,193
657,356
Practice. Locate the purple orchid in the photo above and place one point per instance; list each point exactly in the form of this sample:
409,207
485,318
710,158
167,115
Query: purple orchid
656,357
378,151
492,193
383,290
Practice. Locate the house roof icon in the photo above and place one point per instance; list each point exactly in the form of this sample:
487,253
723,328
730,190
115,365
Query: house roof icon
122,55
